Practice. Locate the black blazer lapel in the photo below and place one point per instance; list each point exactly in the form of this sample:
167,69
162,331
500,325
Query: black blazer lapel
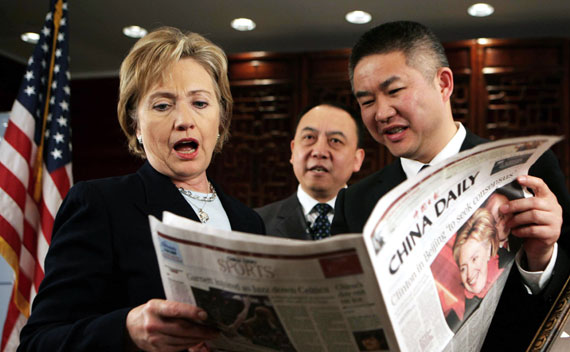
237,220
355,204
472,140
161,195
388,178
292,220
241,217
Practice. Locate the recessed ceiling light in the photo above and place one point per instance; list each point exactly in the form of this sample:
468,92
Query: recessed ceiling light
243,24
480,10
358,17
134,31
30,37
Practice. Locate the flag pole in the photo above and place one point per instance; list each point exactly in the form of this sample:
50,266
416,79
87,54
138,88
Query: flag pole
31,157
39,156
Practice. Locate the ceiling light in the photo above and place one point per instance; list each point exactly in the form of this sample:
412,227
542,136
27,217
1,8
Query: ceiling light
480,10
134,31
243,24
358,17
30,37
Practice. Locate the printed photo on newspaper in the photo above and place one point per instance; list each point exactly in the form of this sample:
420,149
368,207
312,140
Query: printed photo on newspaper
426,273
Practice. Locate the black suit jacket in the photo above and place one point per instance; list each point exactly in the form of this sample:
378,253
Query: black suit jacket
285,218
518,313
101,262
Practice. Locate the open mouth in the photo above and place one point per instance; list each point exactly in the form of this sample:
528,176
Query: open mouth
472,280
186,146
318,169
395,130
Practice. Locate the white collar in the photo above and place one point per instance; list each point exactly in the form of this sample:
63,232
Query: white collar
412,167
308,202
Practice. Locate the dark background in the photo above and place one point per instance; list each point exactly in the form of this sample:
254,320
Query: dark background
503,88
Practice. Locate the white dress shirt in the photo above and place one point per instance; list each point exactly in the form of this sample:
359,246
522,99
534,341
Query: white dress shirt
308,203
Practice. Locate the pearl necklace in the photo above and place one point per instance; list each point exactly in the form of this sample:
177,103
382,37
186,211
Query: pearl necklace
202,215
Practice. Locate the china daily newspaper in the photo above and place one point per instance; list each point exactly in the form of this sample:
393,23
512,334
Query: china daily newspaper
398,286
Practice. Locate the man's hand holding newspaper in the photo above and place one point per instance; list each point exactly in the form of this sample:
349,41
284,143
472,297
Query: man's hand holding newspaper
537,220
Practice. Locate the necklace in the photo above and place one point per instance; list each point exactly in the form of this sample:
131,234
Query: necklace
210,197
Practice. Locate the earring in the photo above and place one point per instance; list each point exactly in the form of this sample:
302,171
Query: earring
218,137
139,138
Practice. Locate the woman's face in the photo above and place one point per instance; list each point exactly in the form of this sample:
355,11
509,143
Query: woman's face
501,220
473,258
178,120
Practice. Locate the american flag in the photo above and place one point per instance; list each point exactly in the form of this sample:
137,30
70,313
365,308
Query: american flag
35,167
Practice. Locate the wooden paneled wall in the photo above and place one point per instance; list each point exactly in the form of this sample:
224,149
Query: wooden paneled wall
502,88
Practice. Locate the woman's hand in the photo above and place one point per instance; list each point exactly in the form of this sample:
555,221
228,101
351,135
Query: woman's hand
537,220
161,325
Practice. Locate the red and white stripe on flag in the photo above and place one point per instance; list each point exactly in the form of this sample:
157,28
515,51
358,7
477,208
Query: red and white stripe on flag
35,167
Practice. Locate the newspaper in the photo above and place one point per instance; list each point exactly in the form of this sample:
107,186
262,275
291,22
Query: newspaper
414,280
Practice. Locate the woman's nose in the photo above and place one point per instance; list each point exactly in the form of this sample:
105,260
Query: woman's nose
184,119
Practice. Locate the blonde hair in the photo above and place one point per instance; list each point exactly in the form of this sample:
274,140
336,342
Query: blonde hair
480,227
147,63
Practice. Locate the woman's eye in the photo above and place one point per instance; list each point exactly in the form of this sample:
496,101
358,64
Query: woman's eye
161,107
200,104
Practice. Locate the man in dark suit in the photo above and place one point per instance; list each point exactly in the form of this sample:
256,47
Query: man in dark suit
324,154
403,83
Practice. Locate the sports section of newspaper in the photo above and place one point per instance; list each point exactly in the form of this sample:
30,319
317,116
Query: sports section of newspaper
271,294
425,275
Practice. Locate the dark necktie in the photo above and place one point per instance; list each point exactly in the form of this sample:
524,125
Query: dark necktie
321,227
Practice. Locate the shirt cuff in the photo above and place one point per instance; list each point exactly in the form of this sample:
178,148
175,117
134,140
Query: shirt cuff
535,281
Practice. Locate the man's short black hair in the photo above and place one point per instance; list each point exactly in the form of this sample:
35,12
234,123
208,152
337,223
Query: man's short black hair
420,46
355,117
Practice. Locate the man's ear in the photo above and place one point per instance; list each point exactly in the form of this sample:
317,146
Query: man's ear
444,82
358,159
292,146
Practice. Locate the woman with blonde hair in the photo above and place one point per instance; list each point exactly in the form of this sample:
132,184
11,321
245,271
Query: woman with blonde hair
476,243
102,289
475,253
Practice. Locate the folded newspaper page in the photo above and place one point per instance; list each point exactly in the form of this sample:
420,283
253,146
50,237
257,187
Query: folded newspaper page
270,294
426,274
